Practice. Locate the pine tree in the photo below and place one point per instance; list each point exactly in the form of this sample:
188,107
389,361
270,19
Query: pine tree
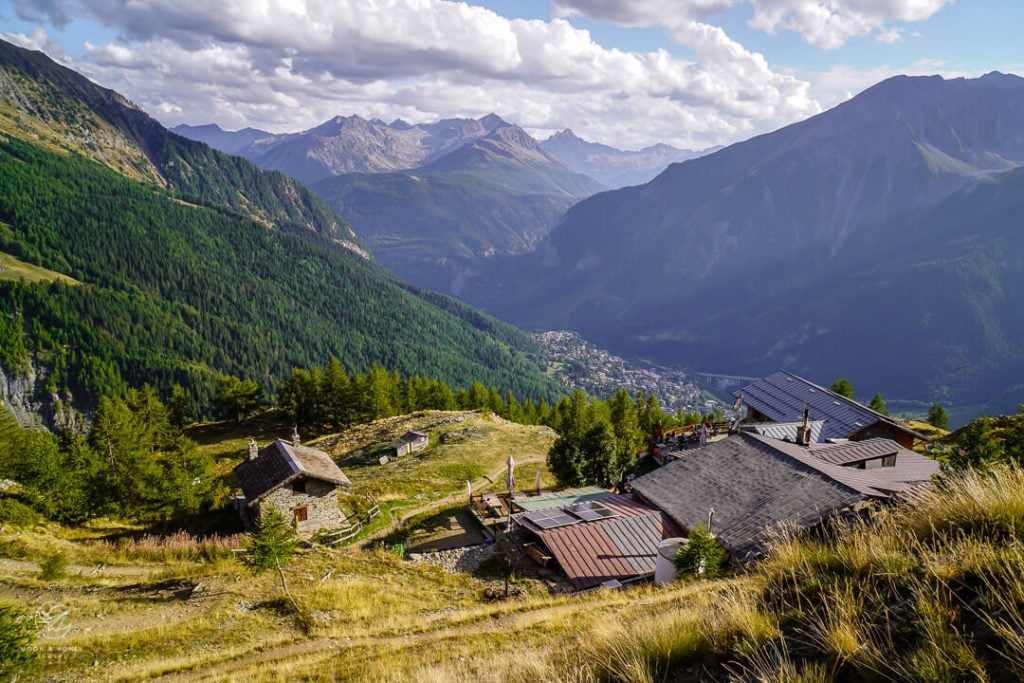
878,404
179,407
237,399
978,445
843,387
937,416
600,452
337,395
702,556
271,545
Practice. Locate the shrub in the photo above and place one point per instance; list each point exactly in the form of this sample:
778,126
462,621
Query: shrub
16,632
15,513
702,556
54,566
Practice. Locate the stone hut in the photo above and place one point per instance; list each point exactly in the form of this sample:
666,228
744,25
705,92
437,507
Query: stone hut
299,481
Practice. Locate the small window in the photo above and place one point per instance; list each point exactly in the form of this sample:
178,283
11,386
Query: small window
299,486
301,514
889,461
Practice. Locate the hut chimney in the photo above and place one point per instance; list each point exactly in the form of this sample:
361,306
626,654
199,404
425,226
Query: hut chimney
803,432
296,442
254,450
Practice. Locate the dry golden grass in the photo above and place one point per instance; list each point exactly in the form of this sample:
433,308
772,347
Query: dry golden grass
932,591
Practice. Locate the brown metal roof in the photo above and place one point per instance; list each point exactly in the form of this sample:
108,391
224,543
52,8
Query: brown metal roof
623,547
280,463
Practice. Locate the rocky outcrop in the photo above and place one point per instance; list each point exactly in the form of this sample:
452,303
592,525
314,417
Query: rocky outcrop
24,393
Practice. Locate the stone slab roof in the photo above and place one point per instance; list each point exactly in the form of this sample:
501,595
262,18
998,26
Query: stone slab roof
281,463
752,488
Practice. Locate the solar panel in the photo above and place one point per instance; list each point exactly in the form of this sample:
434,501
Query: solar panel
551,518
591,511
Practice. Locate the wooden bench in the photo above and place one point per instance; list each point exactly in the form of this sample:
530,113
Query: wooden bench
538,554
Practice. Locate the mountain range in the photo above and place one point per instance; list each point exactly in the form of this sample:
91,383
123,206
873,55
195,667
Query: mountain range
186,262
352,144
613,167
441,224
434,202
878,241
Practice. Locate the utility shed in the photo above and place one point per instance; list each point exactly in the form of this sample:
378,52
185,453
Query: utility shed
755,483
299,481
411,442
610,538
782,397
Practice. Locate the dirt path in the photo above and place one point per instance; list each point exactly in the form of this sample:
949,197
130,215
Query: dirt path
481,483
92,571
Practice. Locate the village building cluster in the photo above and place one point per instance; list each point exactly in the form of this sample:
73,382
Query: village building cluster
802,455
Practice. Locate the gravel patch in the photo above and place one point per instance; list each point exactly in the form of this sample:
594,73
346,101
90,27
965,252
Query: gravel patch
456,560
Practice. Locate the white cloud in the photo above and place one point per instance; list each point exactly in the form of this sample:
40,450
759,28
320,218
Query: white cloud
640,12
41,40
824,23
288,65
56,12
829,24
889,35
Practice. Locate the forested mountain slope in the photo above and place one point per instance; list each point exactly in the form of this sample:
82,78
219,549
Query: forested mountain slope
182,279
57,108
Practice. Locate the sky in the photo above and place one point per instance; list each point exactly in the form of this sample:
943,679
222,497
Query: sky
629,73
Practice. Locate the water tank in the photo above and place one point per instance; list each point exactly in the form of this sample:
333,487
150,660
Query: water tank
665,565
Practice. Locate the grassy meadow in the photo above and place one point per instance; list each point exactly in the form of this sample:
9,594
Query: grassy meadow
14,269
463,445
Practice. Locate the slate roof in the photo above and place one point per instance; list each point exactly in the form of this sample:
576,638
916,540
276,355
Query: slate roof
910,469
755,483
622,548
781,397
281,463
412,436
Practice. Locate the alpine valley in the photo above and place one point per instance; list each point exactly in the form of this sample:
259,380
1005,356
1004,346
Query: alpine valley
437,202
882,235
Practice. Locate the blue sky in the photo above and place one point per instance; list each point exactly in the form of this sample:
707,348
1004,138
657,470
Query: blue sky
693,73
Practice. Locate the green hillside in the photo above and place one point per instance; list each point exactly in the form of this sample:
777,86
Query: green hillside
176,293
195,263
61,110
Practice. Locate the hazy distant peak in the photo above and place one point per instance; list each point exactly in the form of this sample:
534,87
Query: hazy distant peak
998,78
514,135
493,121
204,128
565,136
660,147
400,124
